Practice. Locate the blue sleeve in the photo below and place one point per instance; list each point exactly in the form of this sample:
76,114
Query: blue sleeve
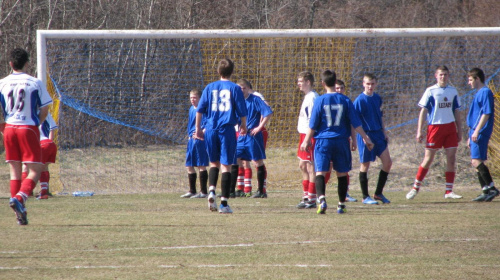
315,119
488,103
353,115
265,110
239,101
203,103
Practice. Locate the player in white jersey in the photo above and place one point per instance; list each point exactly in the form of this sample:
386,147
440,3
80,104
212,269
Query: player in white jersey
305,82
441,104
24,101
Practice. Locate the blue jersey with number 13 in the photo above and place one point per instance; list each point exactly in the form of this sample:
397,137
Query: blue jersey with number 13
222,102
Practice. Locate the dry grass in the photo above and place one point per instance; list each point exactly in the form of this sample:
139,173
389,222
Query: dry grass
161,236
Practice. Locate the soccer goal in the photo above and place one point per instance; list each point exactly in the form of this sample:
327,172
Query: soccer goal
123,95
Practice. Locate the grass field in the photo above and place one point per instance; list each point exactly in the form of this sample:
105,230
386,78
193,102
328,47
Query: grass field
161,236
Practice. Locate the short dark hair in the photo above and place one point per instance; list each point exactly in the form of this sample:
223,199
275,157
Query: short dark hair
329,78
442,68
340,83
195,91
307,76
245,82
370,76
476,73
225,68
19,57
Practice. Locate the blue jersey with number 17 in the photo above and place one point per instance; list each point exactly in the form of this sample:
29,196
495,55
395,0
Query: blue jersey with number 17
222,103
332,116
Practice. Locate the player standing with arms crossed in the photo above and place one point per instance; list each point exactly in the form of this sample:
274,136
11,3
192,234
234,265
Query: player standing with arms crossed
222,102
368,104
331,119
24,101
196,152
480,121
305,82
441,104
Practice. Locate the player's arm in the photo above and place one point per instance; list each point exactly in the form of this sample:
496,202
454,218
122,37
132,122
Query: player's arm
243,126
198,133
482,122
44,111
420,125
353,140
458,123
368,142
307,140
262,124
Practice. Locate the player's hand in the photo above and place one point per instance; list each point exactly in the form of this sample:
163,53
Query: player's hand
254,131
468,142
305,146
198,134
386,138
369,144
459,136
475,136
243,130
420,137
2,127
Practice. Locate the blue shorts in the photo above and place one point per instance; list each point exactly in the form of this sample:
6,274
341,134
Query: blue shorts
479,149
221,145
196,153
378,138
251,147
335,150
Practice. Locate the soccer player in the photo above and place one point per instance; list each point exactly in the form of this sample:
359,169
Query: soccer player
196,152
441,104
331,119
222,103
368,104
241,174
480,121
49,153
24,101
340,88
305,82
250,147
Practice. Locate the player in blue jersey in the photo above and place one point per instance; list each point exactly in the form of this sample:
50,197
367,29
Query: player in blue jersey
196,152
222,103
332,116
251,146
368,104
441,104
480,120
305,82
241,174
24,101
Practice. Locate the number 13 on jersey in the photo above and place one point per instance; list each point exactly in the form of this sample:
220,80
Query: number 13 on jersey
221,100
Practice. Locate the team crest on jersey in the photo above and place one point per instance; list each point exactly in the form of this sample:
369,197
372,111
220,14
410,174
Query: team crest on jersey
445,104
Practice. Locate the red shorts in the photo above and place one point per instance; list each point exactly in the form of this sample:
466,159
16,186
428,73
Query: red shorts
309,154
442,136
22,143
265,134
49,151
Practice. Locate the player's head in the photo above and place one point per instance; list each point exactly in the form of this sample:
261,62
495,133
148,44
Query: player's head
245,86
340,86
476,78
18,58
328,78
369,83
225,68
442,75
305,81
194,96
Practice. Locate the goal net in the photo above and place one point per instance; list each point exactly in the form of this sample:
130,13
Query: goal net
124,95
